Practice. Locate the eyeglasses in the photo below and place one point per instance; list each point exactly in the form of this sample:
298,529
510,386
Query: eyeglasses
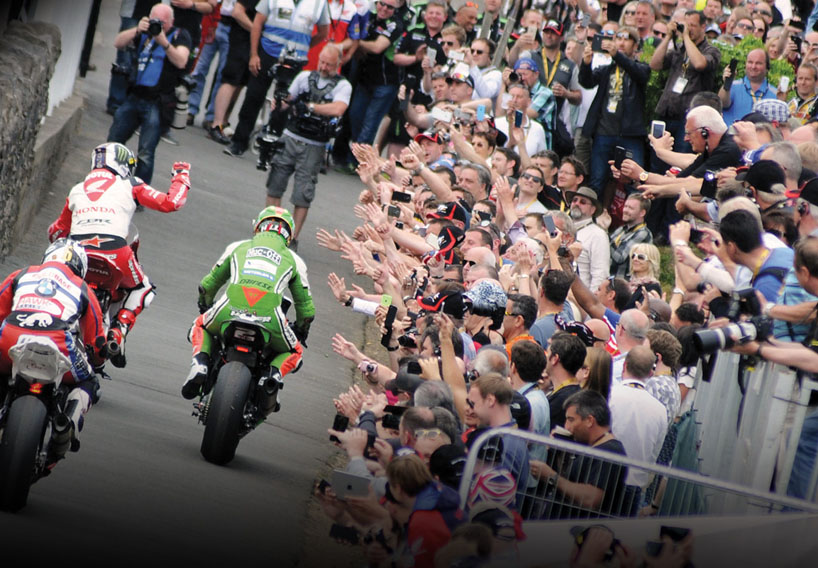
449,43
566,173
744,26
538,179
430,433
387,6
477,51
639,256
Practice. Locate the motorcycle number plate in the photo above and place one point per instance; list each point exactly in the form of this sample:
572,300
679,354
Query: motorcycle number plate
245,334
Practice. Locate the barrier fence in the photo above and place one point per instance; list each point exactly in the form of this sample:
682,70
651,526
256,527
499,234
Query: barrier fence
590,483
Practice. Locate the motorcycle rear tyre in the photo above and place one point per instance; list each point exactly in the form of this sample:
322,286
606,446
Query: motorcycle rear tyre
18,450
225,413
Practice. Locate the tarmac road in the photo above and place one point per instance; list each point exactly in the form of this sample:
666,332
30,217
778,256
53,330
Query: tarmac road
138,490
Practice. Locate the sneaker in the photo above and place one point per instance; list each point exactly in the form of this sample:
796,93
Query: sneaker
197,375
168,138
234,150
217,133
347,168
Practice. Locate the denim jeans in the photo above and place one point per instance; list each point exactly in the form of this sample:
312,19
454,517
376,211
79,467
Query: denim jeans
220,45
141,113
118,86
603,150
804,457
366,110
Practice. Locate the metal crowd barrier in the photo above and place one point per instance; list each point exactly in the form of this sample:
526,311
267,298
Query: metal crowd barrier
749,438
586,469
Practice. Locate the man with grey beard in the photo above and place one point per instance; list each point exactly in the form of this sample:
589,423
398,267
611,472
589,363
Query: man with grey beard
594,261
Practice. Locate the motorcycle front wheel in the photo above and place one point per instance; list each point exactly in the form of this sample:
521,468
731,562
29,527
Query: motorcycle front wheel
225,413
21,440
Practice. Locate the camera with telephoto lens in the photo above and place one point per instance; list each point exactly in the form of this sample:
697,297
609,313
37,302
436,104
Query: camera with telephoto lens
182,92
154,27
289,65
513,77
743,302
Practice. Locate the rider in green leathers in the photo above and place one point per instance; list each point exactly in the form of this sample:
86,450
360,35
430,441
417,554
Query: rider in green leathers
257,272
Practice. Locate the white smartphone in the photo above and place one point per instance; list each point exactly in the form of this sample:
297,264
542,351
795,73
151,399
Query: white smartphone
657,128
432,55
783,84
442,115
349,485
456,55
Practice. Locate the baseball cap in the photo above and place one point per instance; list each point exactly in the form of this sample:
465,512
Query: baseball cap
713,28
521,411
447,463
452,211
428,135
554,26
404,381
486,297
773,110
460,78
763,175
448,302
526,63
809,192
447,240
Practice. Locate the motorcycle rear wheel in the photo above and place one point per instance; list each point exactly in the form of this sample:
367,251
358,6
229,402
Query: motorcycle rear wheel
21,440
225,413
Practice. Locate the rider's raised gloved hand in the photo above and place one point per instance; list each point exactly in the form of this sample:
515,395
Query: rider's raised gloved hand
180,168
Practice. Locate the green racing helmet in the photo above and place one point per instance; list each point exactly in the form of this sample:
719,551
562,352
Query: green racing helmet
275,219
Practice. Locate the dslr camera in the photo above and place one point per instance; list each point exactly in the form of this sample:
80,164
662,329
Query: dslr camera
154,27
743,302
289,65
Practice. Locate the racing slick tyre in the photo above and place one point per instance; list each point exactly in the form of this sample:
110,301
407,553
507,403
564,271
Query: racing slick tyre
20,444
225,413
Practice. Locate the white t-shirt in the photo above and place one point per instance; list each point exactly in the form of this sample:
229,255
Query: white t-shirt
534,134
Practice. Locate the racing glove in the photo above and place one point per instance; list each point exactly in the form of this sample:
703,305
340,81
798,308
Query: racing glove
302,330
204,305
181,172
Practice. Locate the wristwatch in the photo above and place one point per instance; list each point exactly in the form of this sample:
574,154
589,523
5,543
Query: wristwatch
311,106
643,177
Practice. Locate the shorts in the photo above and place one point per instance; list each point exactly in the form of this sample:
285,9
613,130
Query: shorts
236,70
298,158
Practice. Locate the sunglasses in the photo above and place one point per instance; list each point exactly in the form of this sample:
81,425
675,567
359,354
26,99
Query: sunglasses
630,12
512,314
430,433
744,26
385,5
477,51
762,13
639,256
469,263
659,34
538,179
624,35
449,43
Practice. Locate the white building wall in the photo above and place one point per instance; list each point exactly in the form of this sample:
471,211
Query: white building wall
72,19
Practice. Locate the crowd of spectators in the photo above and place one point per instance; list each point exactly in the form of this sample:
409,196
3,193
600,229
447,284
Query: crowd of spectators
519,215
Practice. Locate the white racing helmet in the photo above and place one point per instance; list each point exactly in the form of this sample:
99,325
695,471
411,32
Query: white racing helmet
70,253
115,157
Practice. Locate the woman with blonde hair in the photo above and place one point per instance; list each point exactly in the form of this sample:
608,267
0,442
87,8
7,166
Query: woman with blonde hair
644,272
595,373
628,16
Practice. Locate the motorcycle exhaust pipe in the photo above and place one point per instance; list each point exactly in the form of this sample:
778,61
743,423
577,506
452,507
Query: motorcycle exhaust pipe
113,348
62,431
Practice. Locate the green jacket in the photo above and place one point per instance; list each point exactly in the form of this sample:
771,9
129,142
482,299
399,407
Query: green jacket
258,271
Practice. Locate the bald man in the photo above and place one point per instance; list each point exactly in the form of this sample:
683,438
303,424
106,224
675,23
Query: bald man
739,100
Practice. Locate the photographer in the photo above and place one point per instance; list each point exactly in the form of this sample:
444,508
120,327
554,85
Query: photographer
162,55
803,356
316,97
275,28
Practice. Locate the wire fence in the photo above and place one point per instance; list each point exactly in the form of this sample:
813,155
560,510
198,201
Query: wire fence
584,482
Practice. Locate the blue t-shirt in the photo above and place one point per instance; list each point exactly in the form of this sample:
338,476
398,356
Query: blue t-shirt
743,99
769,284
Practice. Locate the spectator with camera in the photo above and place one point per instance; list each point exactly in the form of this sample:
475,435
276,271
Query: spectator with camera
163,52
130,13
534,136
616,116
277,32
692,68
542,105
738,98
316,98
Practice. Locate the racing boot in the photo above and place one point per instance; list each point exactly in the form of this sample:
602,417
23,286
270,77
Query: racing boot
116,336
199,369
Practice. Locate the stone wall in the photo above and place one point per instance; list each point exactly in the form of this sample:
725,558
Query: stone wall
28,54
